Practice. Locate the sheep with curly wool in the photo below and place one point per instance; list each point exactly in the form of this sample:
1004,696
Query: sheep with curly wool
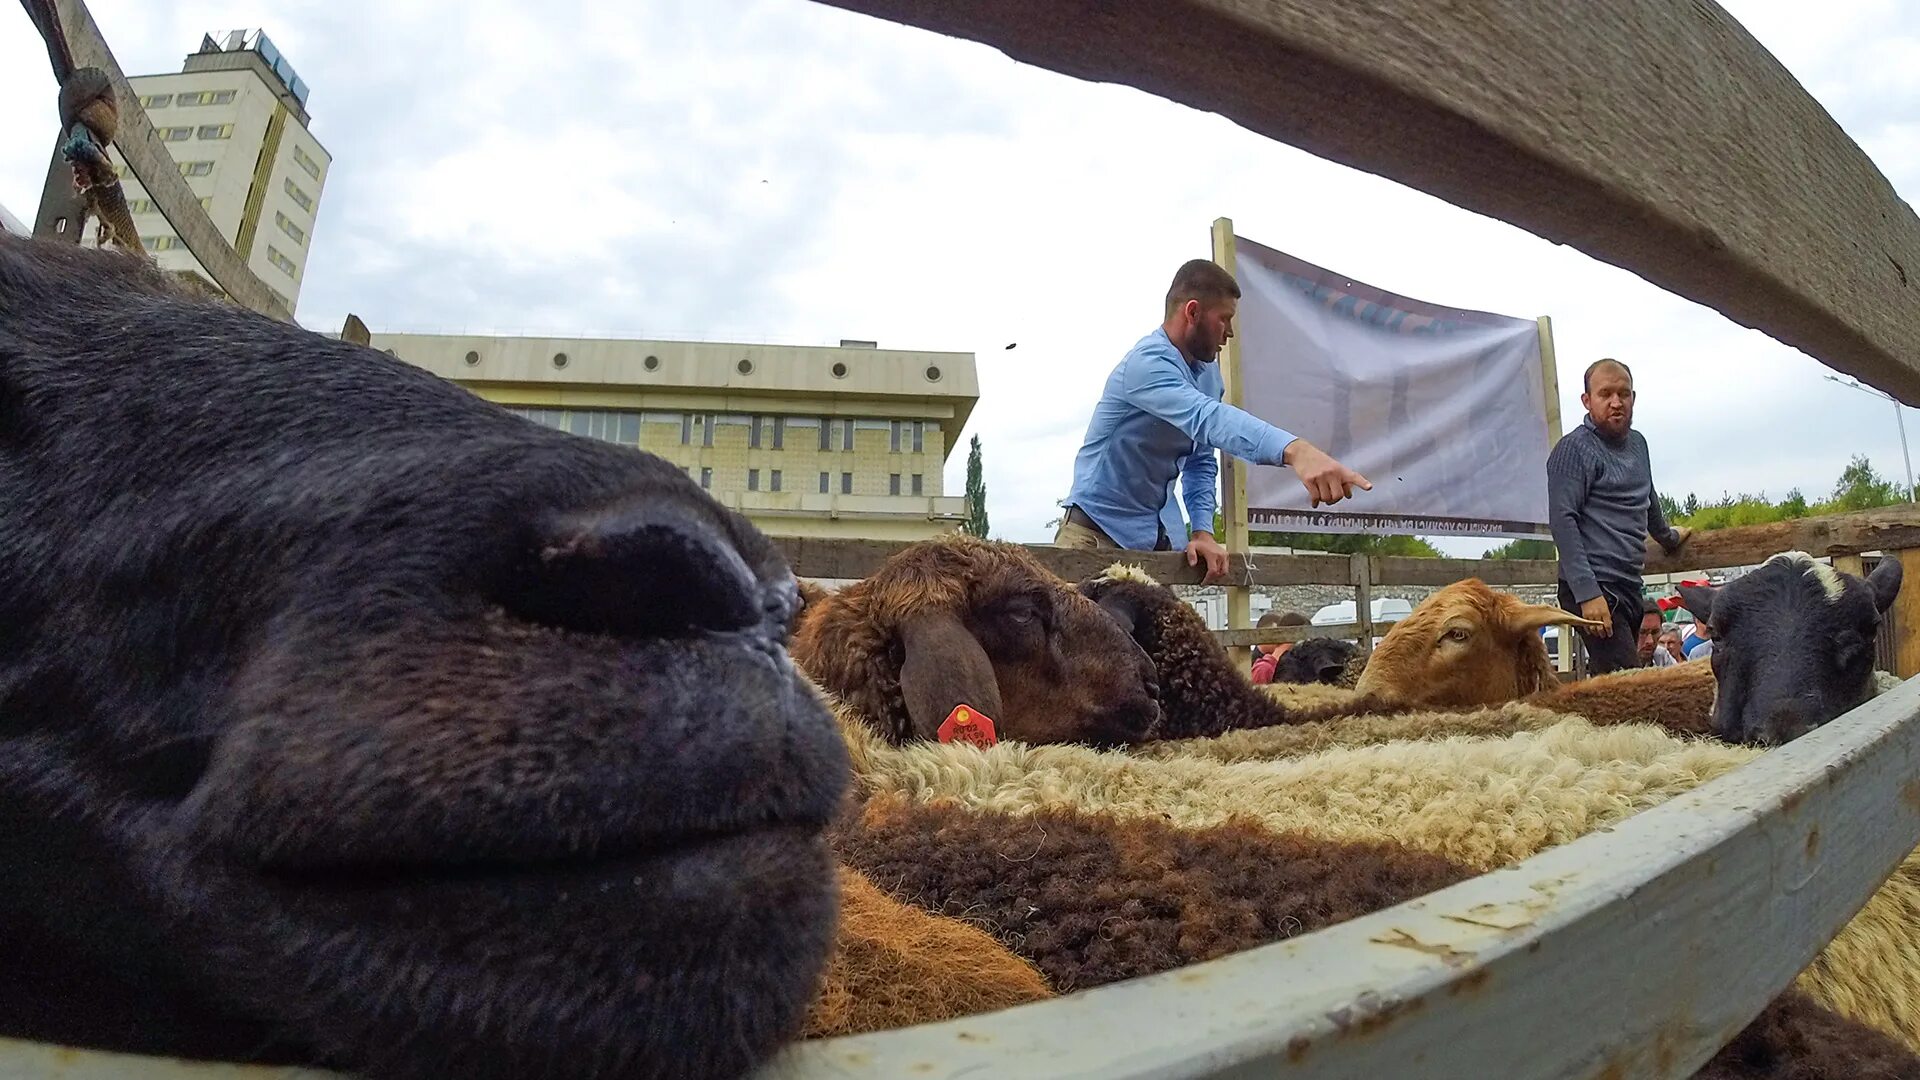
1104,865
958,620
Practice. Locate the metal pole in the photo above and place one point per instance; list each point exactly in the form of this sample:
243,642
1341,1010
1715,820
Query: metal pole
1900,420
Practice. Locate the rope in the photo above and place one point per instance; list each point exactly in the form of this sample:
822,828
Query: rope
89,120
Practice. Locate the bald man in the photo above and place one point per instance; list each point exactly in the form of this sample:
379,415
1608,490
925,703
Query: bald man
1602,507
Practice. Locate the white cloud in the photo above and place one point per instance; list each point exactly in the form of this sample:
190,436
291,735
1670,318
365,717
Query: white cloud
782,170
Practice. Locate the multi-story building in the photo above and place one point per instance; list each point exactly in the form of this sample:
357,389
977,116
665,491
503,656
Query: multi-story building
13,224
235,119
805,441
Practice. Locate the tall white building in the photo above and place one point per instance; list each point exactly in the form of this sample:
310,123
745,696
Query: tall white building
235,119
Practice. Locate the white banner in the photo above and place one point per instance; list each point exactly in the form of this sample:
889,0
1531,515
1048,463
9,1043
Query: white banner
1443,410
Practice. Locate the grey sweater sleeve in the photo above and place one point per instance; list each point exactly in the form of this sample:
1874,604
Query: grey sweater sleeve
1568,474
1657,526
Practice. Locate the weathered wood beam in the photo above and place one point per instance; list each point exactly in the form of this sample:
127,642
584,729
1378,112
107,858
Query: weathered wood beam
1655,135
833,558
149,160
1889,529
1273,635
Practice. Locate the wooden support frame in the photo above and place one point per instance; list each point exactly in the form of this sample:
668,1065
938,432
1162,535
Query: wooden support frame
1233,472
150,161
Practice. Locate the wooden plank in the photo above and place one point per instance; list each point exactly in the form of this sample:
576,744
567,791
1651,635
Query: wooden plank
150,161
1654,135
1233,474
1890,529
1520,974
1549,380
1270,635
1906,619
1500,573
812,557
1362,571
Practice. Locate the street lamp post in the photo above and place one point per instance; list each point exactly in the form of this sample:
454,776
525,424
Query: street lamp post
1898,419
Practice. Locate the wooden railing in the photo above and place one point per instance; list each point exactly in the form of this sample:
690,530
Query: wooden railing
1842,537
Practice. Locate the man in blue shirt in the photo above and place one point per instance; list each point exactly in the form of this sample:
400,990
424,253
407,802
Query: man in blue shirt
1161,417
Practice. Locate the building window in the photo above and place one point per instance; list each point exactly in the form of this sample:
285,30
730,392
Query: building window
894,426
893,484
196,168
284,302
779,435
686,429
157,101
206,203
919,433
301,197
205,97
917,485
287,226
706,478
753,433
826,440
753,479
846,483
706,433
216,131
300,158
775,478
176,134
160,243
139,206
825,478
630,429
281,261
846,434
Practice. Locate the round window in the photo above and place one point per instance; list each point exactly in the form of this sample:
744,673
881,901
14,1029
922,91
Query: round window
839,370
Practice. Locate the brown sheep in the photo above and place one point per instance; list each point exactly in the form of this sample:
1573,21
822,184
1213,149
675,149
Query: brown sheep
963,621
1202,692
1093,898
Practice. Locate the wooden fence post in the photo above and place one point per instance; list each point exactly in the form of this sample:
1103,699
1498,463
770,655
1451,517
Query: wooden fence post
1363,600
1233,473
1906,614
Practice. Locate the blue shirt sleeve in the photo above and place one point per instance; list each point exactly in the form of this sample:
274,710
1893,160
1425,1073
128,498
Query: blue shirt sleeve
1196,483
1154,385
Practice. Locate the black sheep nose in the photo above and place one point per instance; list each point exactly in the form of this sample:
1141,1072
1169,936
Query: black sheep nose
655,570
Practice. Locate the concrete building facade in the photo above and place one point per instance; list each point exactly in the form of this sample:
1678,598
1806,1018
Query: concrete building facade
235,119
845,441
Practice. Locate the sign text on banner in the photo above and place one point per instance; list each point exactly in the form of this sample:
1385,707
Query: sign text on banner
1443,409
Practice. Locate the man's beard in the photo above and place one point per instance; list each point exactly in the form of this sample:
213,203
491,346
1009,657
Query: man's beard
1199,347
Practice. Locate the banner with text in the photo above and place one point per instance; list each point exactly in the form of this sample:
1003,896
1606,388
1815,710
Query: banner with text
1444,410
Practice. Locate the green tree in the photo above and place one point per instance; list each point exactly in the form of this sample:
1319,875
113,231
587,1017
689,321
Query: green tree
1692,506
1860,488
976,520
1794,505
1523,549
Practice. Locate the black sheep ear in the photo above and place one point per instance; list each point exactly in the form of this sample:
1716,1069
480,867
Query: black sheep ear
1885,580
944,666
1699,600
641,571
1123,610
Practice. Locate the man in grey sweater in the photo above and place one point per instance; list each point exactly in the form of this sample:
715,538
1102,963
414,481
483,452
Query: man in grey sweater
1601,506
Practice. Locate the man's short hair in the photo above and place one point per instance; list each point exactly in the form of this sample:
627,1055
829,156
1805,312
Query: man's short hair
1587,379
1279,618
1203,280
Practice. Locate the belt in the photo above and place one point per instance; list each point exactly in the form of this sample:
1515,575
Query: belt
1079,517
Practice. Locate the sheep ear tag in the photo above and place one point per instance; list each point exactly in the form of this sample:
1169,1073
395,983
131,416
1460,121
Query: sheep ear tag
968,724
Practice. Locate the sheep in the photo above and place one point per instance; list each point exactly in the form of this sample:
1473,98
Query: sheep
1485,802
958,621
1316,660
351,721
1793,644
896,965
1202,692
1468,644
1098,869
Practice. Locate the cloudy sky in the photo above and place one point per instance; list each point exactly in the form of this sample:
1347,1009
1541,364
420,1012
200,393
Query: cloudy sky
777,170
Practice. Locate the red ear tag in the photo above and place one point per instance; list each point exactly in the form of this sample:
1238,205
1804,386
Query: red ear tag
968,724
